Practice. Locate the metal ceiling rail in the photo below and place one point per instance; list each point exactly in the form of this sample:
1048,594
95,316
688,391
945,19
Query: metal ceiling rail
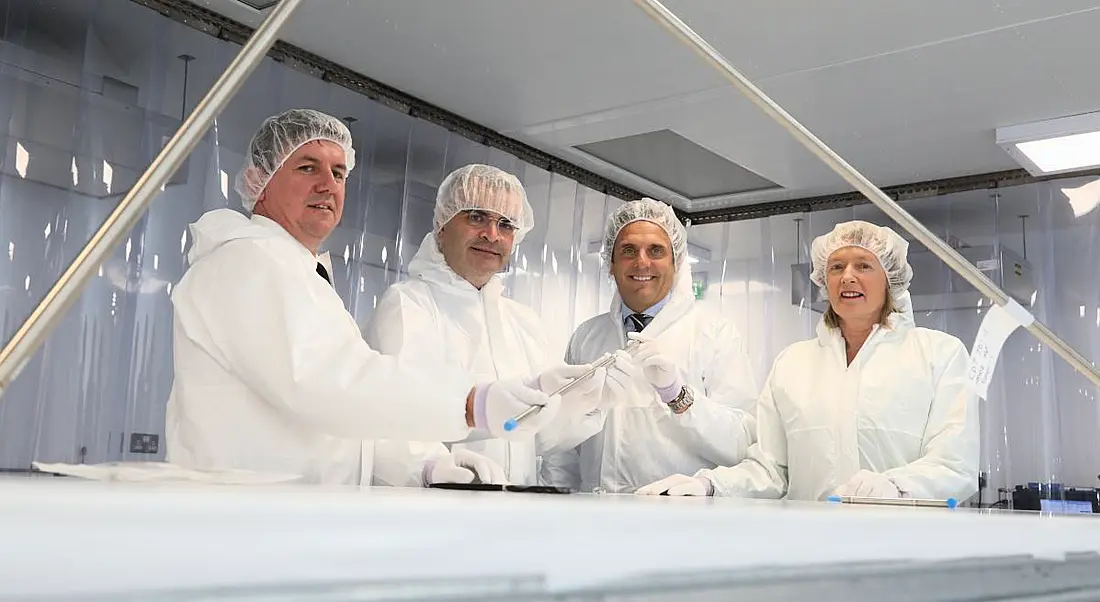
951,257
32,334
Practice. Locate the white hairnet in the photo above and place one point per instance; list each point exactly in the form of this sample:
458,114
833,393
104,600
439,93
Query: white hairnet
890,249
484,188
277,139
651,211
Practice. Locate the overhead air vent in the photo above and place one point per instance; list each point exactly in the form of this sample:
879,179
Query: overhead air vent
259,4
678,164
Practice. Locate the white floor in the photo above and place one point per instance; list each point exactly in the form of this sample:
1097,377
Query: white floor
63,537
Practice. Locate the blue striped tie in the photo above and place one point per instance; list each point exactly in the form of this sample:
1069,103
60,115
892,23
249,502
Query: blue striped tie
639,321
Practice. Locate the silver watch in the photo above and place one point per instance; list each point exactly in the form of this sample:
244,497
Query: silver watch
683,401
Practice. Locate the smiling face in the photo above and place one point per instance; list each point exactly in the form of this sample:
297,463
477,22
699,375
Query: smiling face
306,194
476,244
642,265
856,283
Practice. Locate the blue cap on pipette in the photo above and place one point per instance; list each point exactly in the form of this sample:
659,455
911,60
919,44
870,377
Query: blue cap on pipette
952,502
510,424
834,498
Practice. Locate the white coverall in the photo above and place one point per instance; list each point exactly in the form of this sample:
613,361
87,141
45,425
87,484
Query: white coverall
438,317
272,373
902,409
642,440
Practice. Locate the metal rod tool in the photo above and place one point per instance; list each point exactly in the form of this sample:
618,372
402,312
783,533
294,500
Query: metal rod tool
952,258
32,334
512,423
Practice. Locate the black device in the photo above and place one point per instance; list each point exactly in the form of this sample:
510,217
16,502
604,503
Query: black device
492,487
1056,499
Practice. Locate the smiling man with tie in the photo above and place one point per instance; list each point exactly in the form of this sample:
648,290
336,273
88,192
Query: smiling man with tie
693,397
271,371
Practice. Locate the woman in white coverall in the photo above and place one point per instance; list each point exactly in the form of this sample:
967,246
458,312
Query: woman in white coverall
271,371
690,395
873,407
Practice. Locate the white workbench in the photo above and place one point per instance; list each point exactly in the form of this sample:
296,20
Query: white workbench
63,538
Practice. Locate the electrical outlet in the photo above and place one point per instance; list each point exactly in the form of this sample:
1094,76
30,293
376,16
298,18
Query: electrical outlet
144,443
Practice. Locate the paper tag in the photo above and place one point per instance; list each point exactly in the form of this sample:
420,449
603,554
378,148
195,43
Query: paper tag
998,324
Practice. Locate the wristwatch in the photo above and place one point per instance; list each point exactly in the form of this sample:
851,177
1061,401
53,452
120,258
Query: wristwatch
683,401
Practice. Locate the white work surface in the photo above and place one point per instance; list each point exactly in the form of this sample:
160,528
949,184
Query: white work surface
67,537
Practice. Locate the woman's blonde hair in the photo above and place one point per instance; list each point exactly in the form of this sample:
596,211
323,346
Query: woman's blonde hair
832,320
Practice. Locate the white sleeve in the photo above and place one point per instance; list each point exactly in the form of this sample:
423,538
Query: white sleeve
304,354
763,473
950,450
721,425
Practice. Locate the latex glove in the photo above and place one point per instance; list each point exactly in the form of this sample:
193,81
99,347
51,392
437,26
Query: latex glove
621,377
582,399
463,466
869,484
496,402
678,484
657,368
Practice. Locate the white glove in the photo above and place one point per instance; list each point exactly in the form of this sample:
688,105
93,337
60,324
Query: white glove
498,401
657,368
582,399
463,466
621,377
869,484
678,484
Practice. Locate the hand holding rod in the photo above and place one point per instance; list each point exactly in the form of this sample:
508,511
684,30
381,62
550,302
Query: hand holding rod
512,423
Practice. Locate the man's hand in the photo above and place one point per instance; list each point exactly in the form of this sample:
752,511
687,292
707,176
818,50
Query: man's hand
869,484
678,484
499,401
658,368
463,466
584,397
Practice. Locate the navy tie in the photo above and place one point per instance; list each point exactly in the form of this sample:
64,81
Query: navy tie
639,321
323,273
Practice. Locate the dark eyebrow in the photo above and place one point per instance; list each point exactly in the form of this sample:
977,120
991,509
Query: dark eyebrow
316,161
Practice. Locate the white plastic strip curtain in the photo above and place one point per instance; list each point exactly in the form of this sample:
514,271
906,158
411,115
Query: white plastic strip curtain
79,127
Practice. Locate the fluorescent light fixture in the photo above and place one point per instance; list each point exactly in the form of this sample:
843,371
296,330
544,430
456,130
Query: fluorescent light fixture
1054,146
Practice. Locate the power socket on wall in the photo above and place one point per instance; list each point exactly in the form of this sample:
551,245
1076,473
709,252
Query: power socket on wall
144,443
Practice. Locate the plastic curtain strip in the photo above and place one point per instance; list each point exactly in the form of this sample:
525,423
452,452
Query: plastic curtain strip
953,259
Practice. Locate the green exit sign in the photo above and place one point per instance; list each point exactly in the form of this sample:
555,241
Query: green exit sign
699,284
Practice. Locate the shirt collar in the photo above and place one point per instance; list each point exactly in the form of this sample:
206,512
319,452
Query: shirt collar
652,311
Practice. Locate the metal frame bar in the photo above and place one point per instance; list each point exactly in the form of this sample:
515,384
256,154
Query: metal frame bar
223,28
32,334
952,258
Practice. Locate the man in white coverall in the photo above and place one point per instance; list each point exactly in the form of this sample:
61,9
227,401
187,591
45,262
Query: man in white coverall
692,393
272,373
452,310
